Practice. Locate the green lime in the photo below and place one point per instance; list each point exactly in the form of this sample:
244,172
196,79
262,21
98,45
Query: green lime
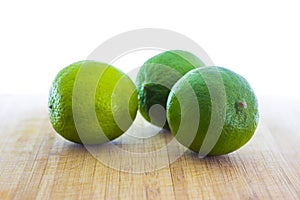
155,79
92,102
224,117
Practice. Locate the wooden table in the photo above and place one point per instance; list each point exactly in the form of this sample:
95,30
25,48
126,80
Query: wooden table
37,163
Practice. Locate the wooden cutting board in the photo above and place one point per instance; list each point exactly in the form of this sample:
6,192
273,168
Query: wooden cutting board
37,163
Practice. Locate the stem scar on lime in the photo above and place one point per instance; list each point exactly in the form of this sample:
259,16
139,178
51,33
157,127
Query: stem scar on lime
241,105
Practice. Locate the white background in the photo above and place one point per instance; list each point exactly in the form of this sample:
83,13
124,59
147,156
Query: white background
258,39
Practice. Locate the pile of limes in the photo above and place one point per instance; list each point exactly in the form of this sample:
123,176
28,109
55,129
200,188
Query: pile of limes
210,110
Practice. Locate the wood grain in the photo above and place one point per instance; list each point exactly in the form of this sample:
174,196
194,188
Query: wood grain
36,163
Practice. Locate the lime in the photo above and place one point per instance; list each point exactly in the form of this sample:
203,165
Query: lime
236,116
155,79
92,102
